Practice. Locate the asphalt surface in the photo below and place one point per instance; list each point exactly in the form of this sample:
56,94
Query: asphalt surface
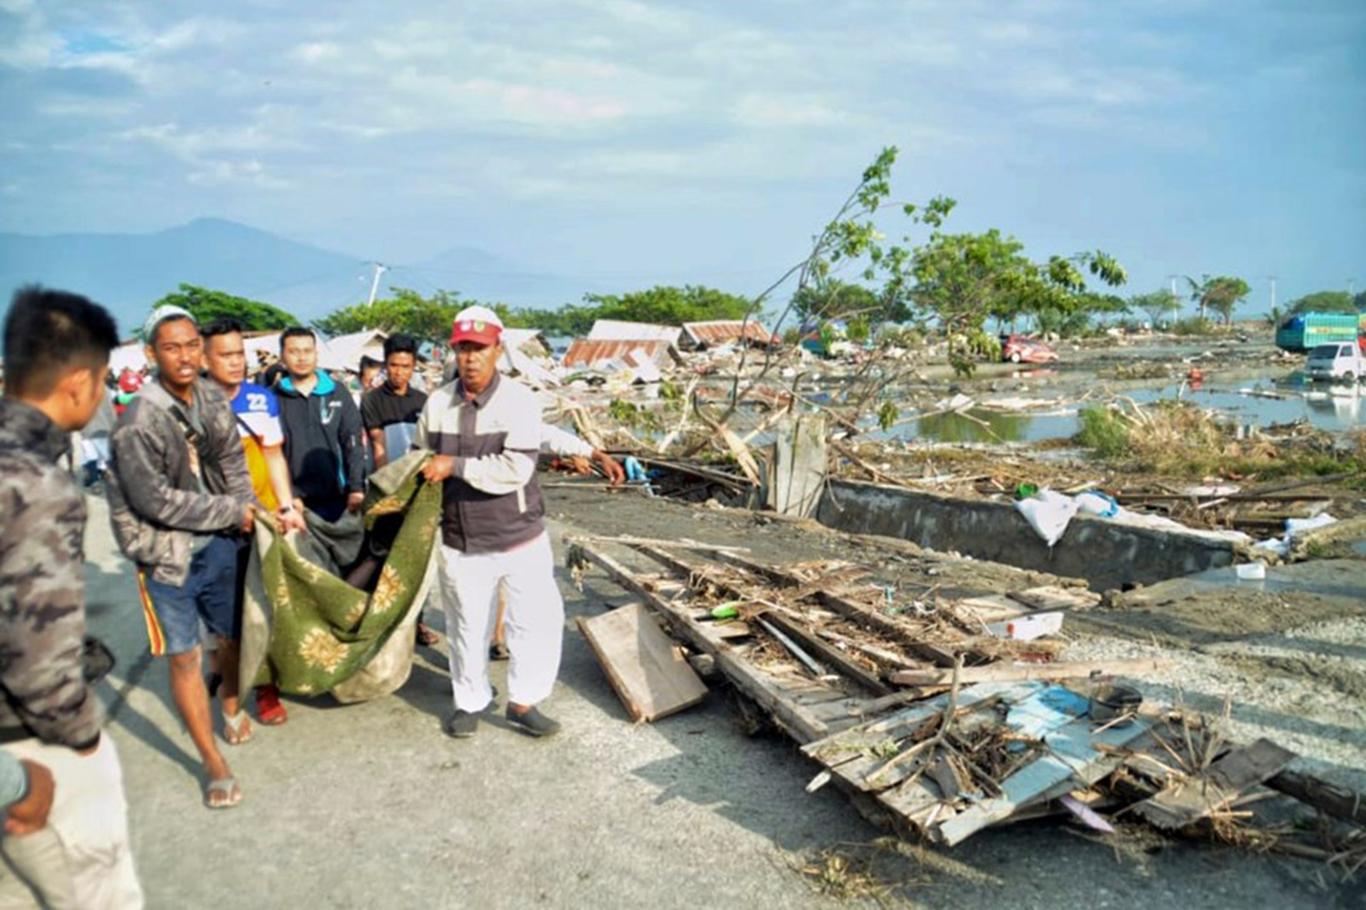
370,805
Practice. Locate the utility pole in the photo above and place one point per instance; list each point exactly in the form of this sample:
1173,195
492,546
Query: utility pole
1272,279
1173,278
380,269
1351,287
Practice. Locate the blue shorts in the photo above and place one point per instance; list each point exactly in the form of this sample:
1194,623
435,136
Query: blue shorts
210,592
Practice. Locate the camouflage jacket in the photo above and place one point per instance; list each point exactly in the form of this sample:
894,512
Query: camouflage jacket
158,499
42,585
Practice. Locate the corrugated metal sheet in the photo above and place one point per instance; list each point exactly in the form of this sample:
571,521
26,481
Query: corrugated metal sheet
618,330
726,331
585,352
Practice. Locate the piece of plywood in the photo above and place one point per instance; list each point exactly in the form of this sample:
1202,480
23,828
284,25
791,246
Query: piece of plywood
648,673
1188,801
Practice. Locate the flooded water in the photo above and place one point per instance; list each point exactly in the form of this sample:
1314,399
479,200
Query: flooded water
1260,402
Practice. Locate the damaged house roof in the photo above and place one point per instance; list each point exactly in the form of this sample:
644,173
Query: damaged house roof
586,352
726,331
618,330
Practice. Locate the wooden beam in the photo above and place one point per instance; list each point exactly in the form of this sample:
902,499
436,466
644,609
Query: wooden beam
1013,672
1323,795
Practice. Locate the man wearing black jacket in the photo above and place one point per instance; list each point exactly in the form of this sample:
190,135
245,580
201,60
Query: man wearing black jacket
322,431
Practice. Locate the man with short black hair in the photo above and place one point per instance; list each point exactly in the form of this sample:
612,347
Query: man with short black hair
322,431
180,499
390,411
258,424
56,352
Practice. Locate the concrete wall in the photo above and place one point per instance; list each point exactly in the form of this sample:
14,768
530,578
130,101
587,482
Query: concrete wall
1106,554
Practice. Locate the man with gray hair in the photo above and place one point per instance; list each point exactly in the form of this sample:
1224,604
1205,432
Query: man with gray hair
180,502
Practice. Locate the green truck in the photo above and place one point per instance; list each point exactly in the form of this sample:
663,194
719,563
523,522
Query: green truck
1303,332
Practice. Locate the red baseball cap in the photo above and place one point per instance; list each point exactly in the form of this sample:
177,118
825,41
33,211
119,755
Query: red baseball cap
478,324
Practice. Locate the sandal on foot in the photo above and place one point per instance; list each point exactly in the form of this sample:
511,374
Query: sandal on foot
499,651
227,786
236,728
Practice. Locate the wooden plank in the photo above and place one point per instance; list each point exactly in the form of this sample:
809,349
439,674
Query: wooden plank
1190,800
1053,597
1072,756
1326,796
797,720
828,653
1010,672
988,608
644,666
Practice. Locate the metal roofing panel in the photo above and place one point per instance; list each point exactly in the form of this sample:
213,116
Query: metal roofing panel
585,352
727,331
619,330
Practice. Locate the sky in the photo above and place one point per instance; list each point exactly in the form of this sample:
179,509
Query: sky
708,142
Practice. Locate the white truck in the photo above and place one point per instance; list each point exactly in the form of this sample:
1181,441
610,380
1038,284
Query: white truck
1338,360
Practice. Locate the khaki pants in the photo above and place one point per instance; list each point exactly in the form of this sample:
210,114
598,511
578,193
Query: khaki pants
82,859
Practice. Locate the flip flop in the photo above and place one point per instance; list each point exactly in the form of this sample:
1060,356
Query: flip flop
226,786
236,729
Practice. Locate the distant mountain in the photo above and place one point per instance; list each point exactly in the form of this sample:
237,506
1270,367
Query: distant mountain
127,272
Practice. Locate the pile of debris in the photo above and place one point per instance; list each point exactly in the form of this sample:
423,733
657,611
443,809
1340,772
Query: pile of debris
943,716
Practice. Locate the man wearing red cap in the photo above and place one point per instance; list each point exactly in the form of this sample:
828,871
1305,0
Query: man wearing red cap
485,431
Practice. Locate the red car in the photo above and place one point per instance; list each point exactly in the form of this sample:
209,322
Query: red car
1021,349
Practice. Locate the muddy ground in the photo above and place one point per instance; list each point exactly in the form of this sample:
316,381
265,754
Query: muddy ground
1289,655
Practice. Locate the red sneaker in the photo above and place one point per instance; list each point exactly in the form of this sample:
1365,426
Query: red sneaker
268,707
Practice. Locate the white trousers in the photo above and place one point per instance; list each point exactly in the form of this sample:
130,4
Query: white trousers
82,858
534,621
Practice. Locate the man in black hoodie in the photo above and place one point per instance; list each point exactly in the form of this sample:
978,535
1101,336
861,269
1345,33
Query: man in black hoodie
322,431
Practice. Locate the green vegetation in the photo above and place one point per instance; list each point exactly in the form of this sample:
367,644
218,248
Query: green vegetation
1192,325
1178,439
425,318
206,305
1220,293
1160,306
1103,432
1325,302
662,304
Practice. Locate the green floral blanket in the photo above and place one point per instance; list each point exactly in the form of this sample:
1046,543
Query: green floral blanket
310,632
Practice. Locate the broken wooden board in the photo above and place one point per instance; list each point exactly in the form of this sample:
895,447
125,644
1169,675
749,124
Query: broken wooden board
644,666
1013,672
798,720
1186,802
1053,597
1072,757
987,608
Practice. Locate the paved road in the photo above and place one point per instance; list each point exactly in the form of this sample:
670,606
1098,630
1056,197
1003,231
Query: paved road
371,806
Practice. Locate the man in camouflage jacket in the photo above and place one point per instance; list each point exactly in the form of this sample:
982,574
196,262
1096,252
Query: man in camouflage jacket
56,350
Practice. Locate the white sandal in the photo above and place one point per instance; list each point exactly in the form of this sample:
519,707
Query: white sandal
233,728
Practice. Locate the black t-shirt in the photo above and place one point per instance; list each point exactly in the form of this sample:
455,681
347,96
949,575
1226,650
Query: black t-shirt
396,415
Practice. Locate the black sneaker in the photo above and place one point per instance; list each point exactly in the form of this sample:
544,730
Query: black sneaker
461,724
533,722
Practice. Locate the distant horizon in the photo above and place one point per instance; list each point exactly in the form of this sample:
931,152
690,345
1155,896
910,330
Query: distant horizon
1250,307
